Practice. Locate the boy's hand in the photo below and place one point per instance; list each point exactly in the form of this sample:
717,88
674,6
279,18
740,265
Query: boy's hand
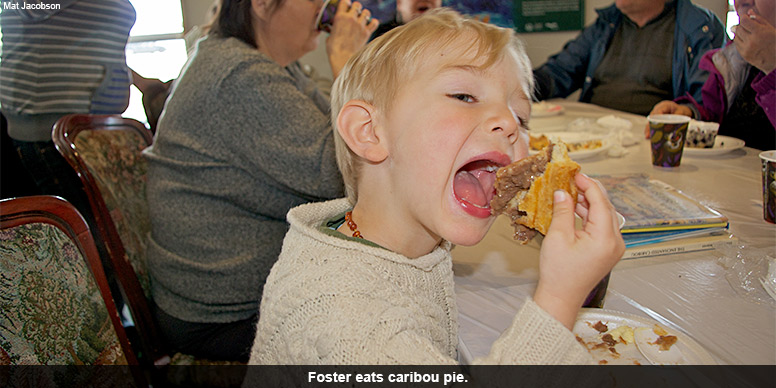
573,261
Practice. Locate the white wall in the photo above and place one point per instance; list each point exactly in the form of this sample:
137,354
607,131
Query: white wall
539,46
195,13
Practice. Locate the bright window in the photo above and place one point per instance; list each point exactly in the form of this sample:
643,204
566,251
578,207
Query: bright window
732,18
157,17
156,48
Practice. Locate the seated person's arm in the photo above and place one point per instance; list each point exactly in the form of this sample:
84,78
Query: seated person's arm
697,74
755,39
766,95
564,72
367,330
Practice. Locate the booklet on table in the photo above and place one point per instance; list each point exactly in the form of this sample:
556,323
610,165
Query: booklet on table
660,219
653,206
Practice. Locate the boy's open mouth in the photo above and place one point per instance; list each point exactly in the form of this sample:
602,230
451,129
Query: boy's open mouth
473,183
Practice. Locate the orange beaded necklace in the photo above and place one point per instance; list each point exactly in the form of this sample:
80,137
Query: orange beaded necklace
352,224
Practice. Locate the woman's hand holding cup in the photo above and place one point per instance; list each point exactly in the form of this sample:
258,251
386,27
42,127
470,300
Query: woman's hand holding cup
353,25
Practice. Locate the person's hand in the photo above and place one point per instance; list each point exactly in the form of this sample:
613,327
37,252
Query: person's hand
352,27
572,261
755,40
148,85
665,108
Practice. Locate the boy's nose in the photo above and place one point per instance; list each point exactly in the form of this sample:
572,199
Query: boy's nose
510,132
505,125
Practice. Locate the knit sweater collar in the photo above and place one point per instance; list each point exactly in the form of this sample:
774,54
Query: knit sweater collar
307,218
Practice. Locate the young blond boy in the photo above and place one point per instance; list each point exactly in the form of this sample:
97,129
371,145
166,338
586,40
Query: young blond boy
425,114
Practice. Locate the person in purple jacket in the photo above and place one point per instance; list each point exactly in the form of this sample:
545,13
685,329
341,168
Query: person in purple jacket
740,92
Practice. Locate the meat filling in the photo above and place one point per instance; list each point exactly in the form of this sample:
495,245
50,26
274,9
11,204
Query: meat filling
512,179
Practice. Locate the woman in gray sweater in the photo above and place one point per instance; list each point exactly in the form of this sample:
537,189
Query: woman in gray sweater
244,137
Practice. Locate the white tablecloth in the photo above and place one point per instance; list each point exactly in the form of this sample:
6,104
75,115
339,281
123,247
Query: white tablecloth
694,293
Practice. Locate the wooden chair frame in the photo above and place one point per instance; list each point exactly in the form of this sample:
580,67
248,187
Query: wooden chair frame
61,214
65,132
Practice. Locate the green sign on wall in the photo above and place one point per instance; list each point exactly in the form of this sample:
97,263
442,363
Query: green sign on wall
549,15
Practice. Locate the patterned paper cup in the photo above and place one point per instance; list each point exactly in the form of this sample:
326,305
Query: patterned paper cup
667,134
768,159
597,296
701,134
326,15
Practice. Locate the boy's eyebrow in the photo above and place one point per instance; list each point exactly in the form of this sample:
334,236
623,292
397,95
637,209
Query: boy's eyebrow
467,68
475,70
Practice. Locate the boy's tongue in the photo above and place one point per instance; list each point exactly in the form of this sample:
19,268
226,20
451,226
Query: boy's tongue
470,186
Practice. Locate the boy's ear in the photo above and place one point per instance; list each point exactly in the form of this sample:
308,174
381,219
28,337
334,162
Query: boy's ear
357,126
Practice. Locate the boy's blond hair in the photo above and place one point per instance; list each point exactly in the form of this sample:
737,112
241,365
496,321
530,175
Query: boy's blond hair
375,73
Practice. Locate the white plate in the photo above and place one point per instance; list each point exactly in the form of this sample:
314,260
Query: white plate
722,145
620,219
545,109
576,137
685,351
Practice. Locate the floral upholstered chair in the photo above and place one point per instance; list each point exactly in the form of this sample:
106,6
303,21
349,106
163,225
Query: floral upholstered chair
55,304
106,152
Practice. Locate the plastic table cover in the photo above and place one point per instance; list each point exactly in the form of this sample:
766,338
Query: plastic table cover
711,296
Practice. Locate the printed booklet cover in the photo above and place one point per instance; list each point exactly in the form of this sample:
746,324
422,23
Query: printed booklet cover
651,205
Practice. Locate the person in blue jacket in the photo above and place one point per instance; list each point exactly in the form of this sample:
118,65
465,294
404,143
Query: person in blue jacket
636,54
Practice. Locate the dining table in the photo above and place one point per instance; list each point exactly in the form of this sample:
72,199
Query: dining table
711,297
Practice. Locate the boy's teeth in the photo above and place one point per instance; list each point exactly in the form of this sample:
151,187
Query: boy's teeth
474,183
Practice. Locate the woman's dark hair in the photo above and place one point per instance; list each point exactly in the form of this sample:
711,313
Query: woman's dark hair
234,20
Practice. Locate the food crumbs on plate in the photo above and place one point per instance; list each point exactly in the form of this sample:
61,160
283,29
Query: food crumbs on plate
659,330
537,143
607,338
603,362
665,341
599,327
623,334
601,345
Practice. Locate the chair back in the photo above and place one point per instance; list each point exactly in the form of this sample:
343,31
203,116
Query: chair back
56,307
106,153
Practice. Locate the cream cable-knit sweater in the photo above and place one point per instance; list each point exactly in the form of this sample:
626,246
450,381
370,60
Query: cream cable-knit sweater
334,300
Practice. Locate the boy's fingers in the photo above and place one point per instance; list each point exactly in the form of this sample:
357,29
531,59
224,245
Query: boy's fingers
600,211
562,214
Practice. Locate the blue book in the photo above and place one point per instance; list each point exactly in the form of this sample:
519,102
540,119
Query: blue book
644,238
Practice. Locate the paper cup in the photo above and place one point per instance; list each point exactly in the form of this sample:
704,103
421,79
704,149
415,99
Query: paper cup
597,296
768,159
701,134
325,17
667,134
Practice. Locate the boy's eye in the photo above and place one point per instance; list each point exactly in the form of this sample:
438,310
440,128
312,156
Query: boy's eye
463,97
524,123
